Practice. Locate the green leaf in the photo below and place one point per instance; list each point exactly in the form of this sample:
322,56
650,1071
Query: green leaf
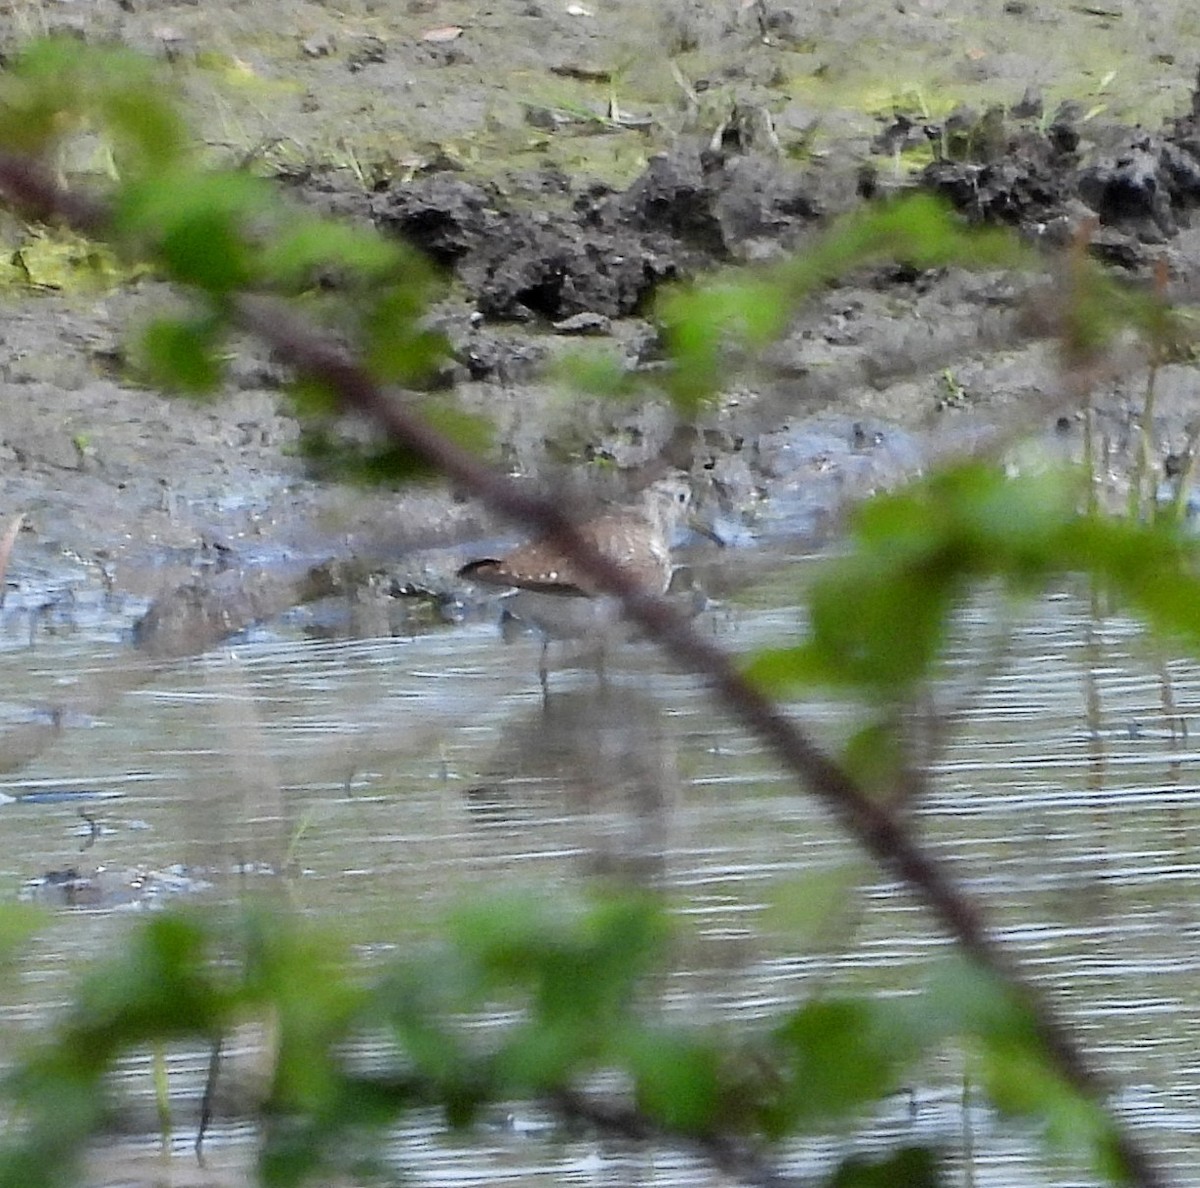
1023,1082
676,1080
581,966
811,909
778,671
911,1167
397,348
837,1056
331,457
159,987
306,245
875,757
573,971
408,355
1019,1076
381,463
879,630
19,923
878,616
969,1001
597,372
701,323
415,1001
41,96
206,250
540,1057
149,131
750,309
1151,566
468,430
59,84
182,354
312,399
196,223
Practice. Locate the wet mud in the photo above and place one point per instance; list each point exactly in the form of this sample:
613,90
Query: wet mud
561,165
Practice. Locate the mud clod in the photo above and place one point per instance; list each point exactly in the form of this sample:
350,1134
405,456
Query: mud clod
1140,187
607,254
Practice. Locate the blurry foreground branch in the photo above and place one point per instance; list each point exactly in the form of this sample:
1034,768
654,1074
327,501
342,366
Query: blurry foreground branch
883,833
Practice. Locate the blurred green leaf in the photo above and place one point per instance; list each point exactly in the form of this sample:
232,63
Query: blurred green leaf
158,987
402,354
398,350
597,372
579,966
181,355
1094,308
40,96
575,972
911,1167
148,130
545,1054
415,1001
1018,1074
468,430
880,631
677,1080
778,671
306,245
702,323
303,976
875,757
879,614
836,1056
18,924
750,309
1021,1081
332,457
969,1001
1153,567
197,223
812,908
315,402
372,463
58,84
921,230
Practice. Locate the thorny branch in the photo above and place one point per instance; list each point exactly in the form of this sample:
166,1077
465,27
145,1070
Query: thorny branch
883,834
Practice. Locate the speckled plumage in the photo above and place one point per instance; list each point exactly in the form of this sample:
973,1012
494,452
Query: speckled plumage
549,594
639,540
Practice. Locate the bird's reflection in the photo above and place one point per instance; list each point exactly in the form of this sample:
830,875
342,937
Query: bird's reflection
601,758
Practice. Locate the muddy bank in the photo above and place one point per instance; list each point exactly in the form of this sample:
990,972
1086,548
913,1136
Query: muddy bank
560,175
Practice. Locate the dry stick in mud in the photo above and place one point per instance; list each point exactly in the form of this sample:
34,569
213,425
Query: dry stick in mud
882,833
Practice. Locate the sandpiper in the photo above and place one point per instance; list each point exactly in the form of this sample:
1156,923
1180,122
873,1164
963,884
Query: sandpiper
552,595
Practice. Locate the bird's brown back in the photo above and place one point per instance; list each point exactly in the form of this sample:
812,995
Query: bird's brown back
628,540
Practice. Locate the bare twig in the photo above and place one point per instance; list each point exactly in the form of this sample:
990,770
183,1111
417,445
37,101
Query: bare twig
882,833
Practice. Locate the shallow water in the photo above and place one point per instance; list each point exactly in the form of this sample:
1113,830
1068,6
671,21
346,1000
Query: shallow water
388,778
